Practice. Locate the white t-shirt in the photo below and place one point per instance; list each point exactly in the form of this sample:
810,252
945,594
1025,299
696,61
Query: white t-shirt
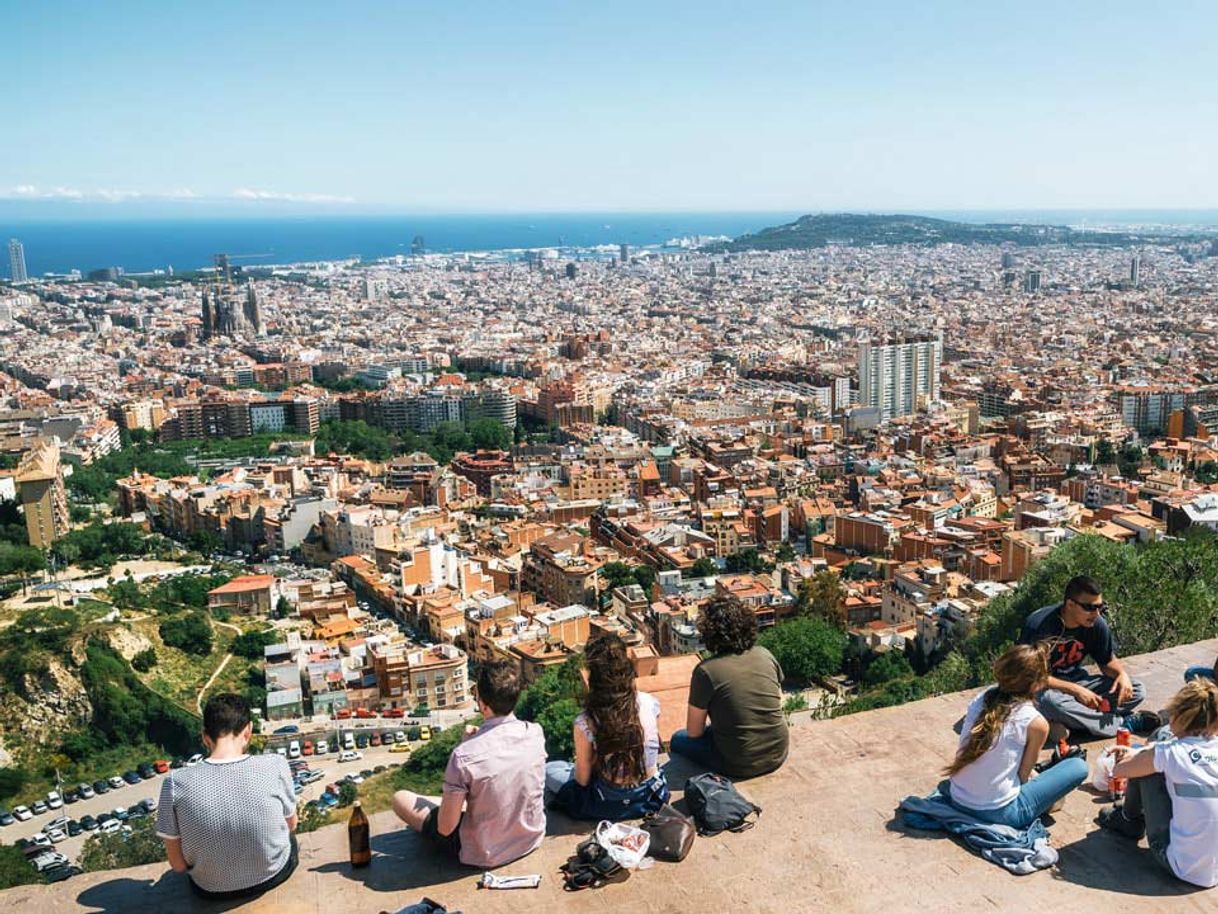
992,781
1190,767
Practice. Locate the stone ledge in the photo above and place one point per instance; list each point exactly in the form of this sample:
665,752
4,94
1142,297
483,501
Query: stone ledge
826,841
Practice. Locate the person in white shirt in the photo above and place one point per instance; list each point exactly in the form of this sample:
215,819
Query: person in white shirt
1172,796
991,777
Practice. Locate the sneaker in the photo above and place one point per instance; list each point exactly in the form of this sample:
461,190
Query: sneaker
1143,722
1113,818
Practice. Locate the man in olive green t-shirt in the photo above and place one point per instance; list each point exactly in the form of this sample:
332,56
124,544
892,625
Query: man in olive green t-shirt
740,690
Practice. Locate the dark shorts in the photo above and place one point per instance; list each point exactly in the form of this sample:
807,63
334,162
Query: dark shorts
450,844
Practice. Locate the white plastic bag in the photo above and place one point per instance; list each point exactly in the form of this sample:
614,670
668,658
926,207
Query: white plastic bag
1104,764
626,844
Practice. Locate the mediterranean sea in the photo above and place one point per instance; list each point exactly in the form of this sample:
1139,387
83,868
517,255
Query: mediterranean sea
62,244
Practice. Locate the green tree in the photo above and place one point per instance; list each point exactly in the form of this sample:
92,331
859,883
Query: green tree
806,648
14,868
490,435
122,849
311,819
1207,473
784,552
747,561
1105,454
822,595
144,661
886,667
251,644
702,568
283,608
554,701
189,632
347,793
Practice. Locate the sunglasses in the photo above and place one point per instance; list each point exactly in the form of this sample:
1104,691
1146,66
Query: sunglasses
1092,607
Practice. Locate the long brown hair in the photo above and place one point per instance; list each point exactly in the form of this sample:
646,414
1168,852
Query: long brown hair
1021,670
613,711
1193,711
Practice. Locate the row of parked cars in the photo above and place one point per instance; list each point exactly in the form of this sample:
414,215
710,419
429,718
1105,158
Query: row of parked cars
54,866
329,798
350,741
85,791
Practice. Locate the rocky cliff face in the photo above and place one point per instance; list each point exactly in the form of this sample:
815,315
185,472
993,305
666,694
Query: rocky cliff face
57,703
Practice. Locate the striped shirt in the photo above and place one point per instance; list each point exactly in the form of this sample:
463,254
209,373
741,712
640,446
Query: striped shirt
231,817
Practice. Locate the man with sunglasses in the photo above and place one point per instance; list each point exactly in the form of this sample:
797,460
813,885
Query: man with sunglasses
1074,630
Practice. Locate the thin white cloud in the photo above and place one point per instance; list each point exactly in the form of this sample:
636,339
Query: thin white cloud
178,194
245,193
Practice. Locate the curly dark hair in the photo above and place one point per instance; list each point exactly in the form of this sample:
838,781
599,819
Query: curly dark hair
727,626
612,707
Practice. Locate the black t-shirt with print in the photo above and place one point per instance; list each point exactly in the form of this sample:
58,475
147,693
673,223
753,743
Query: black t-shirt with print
1068,646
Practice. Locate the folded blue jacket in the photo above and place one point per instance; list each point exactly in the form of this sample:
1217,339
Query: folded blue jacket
1020,851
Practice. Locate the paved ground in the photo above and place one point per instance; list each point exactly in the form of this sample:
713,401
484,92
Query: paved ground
826,841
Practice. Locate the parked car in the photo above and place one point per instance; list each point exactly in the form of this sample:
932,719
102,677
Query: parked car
60,873
22,813
424,733
160,766
399,736
6,817
88,823
41,840
342,714
104,817
86,792
57,835
177,763
330,799
74,828
361,741
39,807
364,714
307,748
131,777
321,748
281,751
57,822
399,747
413,734
348,755
71,796
310,776
47,860
119,813
374,739
395,712
354,777
149,804
136,812
349,740
111,826
283,731
194,760
294,749
118,781
379,768
54,800
102,786
145,771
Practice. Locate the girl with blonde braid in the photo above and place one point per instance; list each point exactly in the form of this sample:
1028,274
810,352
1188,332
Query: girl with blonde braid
991,777
1173,788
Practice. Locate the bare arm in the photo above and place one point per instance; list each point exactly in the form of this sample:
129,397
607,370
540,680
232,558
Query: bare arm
695,721
293,820
449,816
1122,685
1139,764
1038,732
585,754
1084,695
173,849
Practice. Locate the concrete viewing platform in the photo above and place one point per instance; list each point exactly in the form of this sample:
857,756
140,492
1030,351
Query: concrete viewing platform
826,841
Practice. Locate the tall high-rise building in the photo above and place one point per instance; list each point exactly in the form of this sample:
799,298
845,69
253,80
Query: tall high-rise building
897,376
1008,260
623,252
40,490
1135,270
1031,281
16,261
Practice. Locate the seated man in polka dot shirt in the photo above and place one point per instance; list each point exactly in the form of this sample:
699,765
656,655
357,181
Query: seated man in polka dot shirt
228,823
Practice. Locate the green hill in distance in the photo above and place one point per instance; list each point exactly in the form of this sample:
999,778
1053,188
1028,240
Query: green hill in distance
860,230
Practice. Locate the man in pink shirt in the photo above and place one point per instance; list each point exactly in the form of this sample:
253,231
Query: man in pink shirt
497,773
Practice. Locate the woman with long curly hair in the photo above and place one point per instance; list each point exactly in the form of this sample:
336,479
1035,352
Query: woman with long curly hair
1000,742
734,723
616,773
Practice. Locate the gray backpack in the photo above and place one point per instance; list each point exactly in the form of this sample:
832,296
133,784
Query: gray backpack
717,805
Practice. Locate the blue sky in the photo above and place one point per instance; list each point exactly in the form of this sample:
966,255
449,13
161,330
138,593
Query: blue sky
548,106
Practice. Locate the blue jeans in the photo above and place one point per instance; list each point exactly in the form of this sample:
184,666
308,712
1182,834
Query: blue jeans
601,800
1198,672
1035,798
698,749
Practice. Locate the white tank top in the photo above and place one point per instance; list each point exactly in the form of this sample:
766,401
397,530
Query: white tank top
992,781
